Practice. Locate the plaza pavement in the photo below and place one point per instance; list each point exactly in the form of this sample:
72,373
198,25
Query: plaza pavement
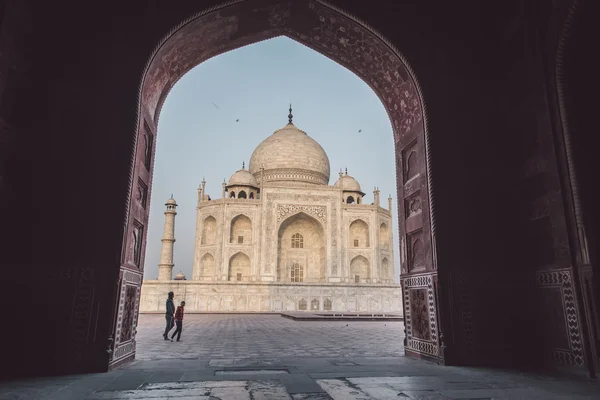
258,356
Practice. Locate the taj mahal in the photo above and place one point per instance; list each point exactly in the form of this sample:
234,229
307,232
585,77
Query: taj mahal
281,238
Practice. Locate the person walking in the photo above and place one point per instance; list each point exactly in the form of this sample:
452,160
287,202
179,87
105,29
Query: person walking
178,321
170,310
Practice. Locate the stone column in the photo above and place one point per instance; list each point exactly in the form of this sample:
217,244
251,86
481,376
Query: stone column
165,268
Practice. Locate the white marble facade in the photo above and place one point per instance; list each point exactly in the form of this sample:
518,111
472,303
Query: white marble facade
282,239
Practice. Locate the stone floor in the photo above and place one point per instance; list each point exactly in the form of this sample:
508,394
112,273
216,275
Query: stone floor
259,336
255,357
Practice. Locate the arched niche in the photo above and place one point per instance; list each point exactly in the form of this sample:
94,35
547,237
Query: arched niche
239,267
232,195
207,266
350,200
385,269
209,231
241,230
302,242
384,236
359,234
242,194
360,269
302,305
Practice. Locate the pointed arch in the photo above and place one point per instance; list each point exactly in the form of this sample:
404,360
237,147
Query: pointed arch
209,231
242,194
359,234
385,269
207,266
384,236
239,267
302,241
241,230
360,269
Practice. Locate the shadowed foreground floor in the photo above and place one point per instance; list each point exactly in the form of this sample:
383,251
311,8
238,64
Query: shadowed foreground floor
233,357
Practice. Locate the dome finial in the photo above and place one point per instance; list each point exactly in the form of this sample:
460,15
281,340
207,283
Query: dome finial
243,164
346,170
290,116
171,195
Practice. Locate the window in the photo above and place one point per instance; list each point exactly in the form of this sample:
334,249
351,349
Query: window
327,305
356,279
240,239
302,305
251,195
350,200
314,305
355,242
239,276
242,195
232,195
297,241
297,273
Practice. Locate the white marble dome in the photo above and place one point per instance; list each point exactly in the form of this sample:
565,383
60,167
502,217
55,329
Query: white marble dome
289,154
171,201
242,178
348,183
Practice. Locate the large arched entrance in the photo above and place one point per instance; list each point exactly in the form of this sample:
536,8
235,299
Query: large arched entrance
508,253
345,41
301,250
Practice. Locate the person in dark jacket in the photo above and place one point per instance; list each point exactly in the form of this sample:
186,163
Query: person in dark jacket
178,321
169,313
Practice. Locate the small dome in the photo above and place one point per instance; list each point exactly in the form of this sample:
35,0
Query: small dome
171,201
180,277
242,177
346,182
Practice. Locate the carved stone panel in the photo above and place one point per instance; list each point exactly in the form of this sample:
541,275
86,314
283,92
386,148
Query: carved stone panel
286,210
415,251
128,312
420,315
560,280
410,161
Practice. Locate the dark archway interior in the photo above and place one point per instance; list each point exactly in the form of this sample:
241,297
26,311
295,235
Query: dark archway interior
504,264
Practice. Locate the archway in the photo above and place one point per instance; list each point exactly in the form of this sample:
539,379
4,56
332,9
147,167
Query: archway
337,36
239,267
359,234
360,269
209,231
207,266
301,250
241,230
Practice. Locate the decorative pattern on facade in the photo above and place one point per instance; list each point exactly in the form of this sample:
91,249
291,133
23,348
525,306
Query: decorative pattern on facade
420,315
561,279
286,210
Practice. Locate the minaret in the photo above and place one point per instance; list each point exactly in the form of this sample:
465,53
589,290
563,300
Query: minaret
203,189
165,268
223,191
376,196
390,203
199,195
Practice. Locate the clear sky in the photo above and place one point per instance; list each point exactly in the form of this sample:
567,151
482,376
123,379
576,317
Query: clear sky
199,134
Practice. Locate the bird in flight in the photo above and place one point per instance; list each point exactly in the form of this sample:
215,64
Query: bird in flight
360,130
216,106
237,120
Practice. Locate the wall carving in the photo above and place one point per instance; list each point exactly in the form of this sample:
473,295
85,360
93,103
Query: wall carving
417,336
128,312
286,210
561,279
355,253
334,252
